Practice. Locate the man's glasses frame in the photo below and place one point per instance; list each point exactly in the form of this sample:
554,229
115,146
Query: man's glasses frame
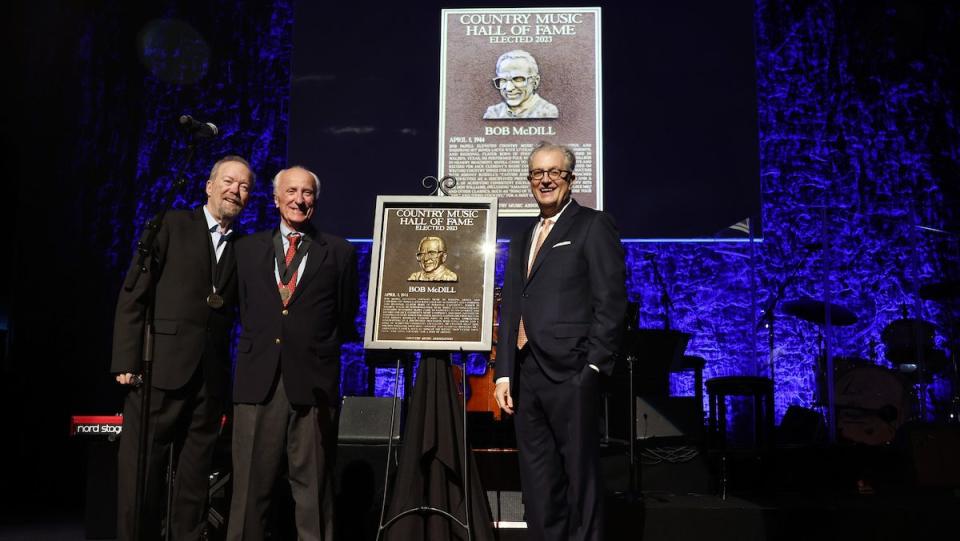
554,174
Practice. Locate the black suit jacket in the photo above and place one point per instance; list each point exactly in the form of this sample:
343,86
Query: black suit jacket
573,302
305,337
186,329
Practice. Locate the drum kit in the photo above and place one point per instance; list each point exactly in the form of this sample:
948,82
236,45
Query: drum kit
870,402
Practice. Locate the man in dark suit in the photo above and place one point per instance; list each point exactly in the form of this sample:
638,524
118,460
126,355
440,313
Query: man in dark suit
192,283
298,299
561,322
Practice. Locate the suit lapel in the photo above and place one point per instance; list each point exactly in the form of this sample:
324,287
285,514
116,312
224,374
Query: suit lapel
527,240
315,257
269,262
203,235
559,231
227,265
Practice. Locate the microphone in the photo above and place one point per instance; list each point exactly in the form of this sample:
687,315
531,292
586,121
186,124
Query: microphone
200,130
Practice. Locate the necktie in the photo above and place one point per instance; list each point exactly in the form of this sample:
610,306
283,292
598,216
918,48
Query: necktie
224,236
286,291
544,231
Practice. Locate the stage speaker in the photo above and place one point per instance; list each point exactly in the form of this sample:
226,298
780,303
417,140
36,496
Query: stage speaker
361,465
358,487
505,505
669,417
677,469
499,470
934,450
366,420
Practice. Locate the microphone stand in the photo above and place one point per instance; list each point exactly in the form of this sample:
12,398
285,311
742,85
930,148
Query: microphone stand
769,316
145,249
664,294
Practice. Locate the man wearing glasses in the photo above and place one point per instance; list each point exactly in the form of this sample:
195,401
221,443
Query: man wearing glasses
432,256
517,80
561,322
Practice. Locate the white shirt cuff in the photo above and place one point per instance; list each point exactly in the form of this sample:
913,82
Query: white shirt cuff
502,380
594,367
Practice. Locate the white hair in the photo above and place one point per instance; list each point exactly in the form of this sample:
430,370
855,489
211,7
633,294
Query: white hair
276,178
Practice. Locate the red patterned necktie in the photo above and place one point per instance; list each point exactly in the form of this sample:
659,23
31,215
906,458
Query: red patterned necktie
544,231
286,291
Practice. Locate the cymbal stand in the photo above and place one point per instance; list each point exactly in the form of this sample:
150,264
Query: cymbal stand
921,367
769,312
828,330
953,336
953,416
768,317
915,241
821,372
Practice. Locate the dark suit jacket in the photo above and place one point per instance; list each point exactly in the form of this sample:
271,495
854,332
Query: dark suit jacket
305,338
573,302
186,330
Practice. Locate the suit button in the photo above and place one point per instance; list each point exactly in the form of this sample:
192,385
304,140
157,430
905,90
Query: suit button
285,311
277,340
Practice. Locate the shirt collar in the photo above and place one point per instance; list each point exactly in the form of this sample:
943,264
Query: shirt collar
212,224
285,231
556,216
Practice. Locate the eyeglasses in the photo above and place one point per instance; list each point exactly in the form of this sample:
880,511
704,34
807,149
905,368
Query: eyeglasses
519,81
554,174
432,254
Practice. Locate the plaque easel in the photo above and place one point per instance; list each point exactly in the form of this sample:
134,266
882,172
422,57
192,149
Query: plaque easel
440,188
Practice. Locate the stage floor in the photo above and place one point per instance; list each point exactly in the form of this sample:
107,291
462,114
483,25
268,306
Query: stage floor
843,492
661,516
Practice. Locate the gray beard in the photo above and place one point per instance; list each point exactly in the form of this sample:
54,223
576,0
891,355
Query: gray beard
228,212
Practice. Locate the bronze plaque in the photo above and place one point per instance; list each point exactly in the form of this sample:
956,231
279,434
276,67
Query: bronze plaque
431,277
510,78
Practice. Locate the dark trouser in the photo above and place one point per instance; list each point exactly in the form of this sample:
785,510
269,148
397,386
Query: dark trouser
559,440
189,419
264,435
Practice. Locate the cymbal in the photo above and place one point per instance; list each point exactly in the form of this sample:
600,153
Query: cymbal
903,338
940,290
815,311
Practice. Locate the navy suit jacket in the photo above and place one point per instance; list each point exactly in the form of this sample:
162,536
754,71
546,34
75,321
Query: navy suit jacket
186,330
304,338
574,300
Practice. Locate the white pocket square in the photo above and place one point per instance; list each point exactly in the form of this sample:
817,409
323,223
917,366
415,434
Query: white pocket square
564,243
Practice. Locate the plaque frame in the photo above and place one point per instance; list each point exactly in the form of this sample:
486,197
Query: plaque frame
571,78
475,245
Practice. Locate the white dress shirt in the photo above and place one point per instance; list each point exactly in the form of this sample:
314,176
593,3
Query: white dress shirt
284,235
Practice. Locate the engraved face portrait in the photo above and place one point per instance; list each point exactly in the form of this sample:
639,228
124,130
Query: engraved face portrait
517,80
432,256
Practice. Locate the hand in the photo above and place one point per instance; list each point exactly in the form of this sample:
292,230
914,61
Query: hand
502,393
128,379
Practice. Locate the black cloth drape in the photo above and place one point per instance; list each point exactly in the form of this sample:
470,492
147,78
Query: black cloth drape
431,466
